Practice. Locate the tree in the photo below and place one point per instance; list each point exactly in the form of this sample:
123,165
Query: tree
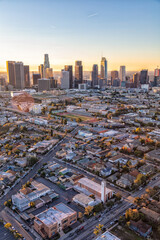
65,121
128,223
43,110
80,215
98,207
88,210
96,231
32,204
8,225
118,196
100,226
78,120
132,214
140,179
43,174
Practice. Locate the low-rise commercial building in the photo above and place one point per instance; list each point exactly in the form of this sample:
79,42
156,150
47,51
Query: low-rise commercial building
54,220
100,191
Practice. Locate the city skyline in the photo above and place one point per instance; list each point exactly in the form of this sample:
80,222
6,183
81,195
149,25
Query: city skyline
126,33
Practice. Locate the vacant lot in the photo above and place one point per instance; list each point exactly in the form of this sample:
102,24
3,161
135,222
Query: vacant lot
125,234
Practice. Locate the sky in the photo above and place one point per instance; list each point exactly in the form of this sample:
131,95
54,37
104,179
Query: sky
126,32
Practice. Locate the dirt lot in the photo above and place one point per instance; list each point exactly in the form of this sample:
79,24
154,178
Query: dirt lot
125,234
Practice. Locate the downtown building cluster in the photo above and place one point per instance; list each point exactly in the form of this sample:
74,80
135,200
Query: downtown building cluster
18,77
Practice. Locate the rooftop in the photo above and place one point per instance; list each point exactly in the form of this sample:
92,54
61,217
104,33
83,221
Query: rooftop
107,236
93,185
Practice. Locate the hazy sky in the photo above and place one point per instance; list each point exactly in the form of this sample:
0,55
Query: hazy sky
126,32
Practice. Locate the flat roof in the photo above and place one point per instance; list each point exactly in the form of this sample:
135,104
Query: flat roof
55,214
107,236
81,197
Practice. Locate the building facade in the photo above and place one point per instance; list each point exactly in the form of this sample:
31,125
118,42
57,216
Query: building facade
26,76
54,220
65,83
44,84
94,75
78,73
69,69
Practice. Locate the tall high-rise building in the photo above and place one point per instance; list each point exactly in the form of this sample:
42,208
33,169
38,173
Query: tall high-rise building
143,78
26,76
35,78
19,75
69,69
156,77
10,73
122,73
46,64
95,75
157,72
53,82
114,76
136,80
46,61
78,73
104,68
49,73
65,83
41,70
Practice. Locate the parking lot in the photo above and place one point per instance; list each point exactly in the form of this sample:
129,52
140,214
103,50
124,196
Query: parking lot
5,233
64,197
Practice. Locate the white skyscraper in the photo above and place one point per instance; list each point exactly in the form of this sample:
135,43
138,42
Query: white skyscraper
65,79
122,73
103,191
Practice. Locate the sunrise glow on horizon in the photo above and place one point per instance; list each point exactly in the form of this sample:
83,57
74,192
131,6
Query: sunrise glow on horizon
125,32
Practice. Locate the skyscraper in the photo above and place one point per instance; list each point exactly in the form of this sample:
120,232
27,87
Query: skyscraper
143,78
69,69
104,68
26,76
65,79
122,73
46,61
95,75
10,73
49,72
136,80
156,77
41,70
114,75
35,77
78,73
19,75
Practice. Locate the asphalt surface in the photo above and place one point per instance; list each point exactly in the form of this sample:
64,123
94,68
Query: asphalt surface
8,218
5,234
107,218
64,197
